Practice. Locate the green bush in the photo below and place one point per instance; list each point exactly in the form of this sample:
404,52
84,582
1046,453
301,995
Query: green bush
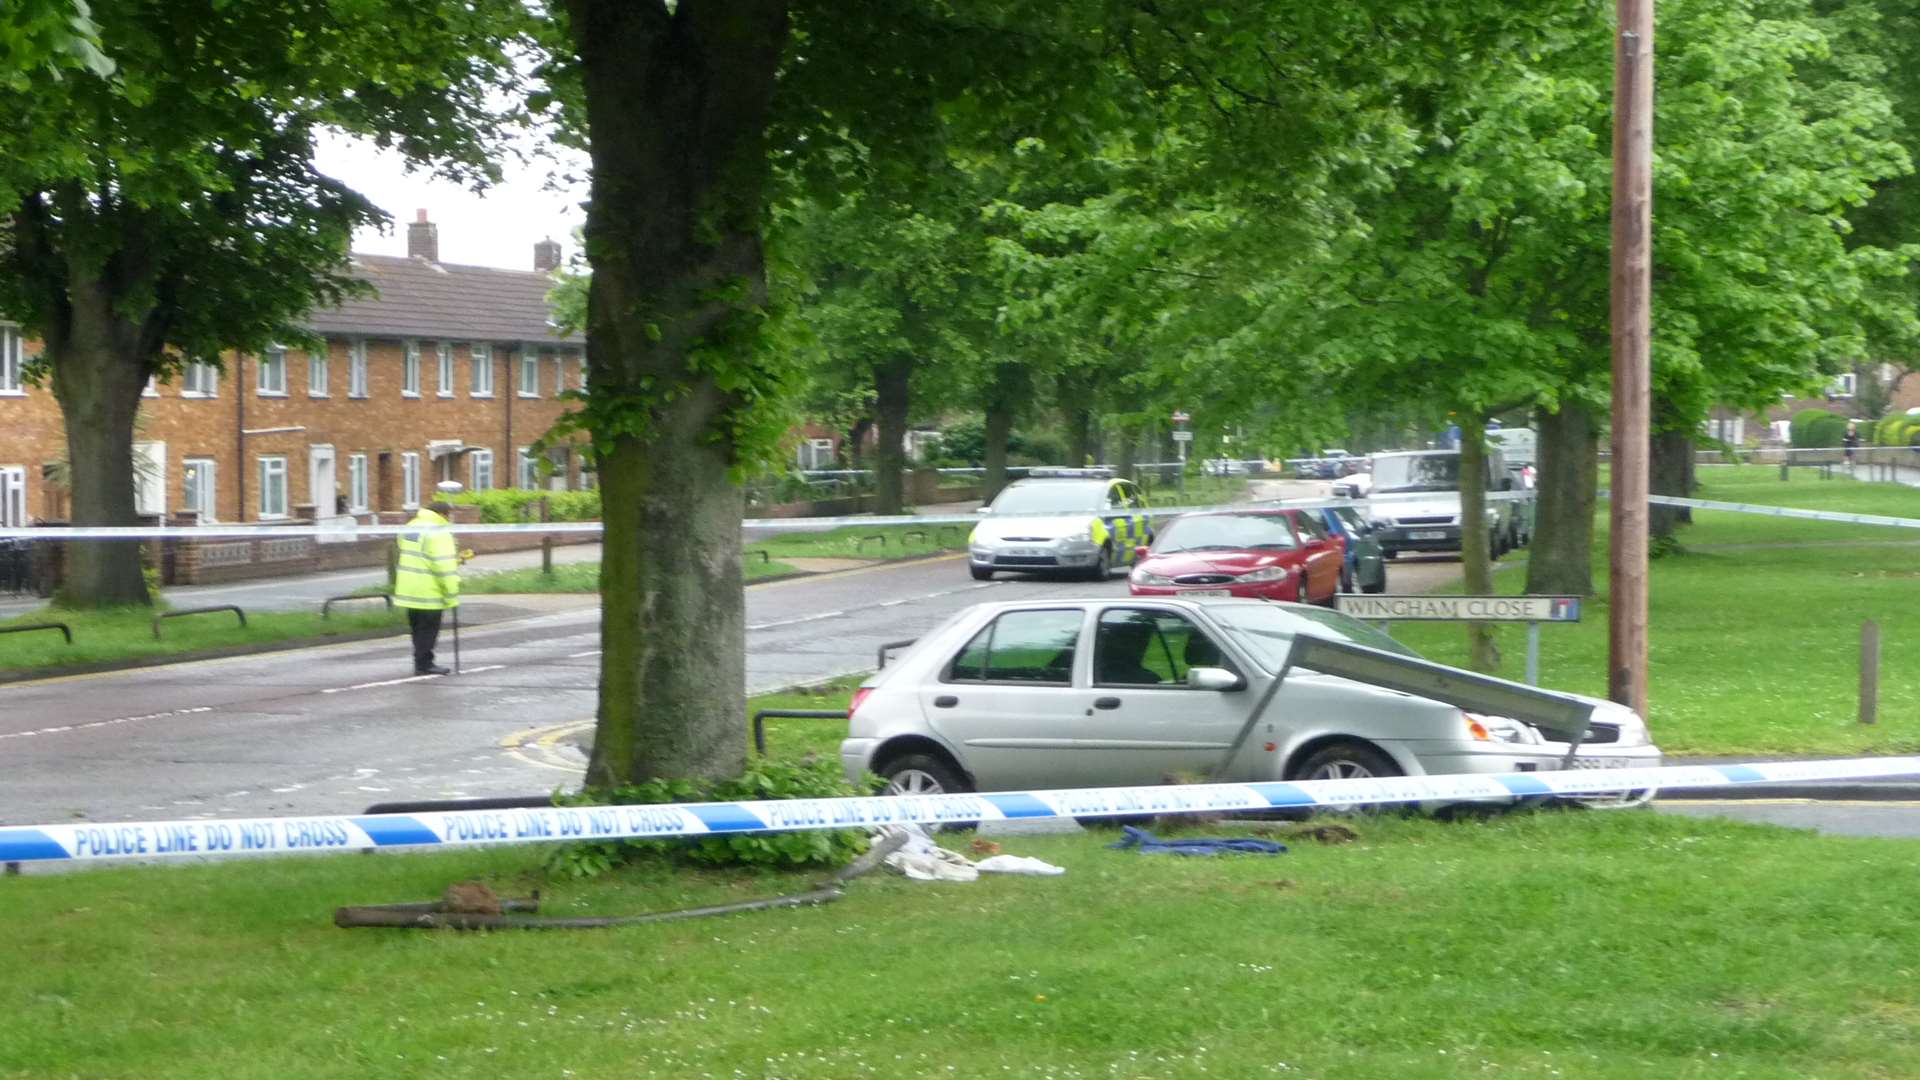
510,506
1816,428
762,780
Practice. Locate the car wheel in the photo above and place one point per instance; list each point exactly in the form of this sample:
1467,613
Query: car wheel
1102,568
1346,581
1377,587
1347,761
1389,554
925,774
981,573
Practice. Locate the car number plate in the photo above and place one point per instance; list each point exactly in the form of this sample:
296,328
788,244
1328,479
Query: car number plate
1209,592
1025,551
1430,534
1604,763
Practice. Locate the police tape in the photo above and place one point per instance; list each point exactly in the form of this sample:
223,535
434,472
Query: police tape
460,828
343,532
1785,512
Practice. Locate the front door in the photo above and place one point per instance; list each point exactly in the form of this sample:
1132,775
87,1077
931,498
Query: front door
1141,724
150,478
323,481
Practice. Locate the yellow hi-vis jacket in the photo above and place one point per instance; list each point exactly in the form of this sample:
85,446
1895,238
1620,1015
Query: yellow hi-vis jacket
429,572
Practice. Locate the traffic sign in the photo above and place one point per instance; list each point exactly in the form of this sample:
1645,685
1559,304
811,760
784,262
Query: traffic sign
1463,608
1181,418
1183,436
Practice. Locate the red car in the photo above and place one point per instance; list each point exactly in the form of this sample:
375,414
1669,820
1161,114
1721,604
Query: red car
1264,554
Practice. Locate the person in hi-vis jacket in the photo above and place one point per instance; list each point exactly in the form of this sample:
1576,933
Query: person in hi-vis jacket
426,580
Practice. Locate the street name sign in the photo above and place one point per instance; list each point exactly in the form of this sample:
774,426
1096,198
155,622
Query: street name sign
1532,609
1183,436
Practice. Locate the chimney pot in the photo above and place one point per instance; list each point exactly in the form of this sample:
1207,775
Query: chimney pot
423,239
546,255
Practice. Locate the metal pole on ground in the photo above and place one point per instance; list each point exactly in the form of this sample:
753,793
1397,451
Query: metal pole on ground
1632,287
1533,654
456,639
1869,671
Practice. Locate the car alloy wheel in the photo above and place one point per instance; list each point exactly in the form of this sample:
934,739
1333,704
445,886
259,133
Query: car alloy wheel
1348,761
921,774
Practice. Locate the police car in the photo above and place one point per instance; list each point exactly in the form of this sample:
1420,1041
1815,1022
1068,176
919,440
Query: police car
1081,522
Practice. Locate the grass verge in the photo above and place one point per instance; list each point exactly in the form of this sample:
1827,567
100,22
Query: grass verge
125,634
1754,624
574,577
1553,945
797,738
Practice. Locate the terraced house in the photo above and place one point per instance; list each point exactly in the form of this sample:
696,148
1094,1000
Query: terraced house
445,372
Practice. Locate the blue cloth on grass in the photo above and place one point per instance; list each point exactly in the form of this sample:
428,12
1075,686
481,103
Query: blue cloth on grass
1143,841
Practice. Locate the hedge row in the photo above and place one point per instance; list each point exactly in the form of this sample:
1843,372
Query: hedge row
509,506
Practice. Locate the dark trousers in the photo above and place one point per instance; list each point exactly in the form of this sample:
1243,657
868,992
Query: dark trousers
426,630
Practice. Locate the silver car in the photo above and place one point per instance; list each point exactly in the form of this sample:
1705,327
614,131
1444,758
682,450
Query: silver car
1130,691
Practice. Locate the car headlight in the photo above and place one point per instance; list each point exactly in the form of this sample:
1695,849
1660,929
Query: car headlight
1501,729
1142,577
1074,543
1267,573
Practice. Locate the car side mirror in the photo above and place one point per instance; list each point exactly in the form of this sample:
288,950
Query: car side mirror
1213,678
1141,552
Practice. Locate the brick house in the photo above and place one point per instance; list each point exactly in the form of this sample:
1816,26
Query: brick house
444,372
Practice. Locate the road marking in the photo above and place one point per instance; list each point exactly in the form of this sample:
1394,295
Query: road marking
410,678
543,741
857,571
578,655
108,723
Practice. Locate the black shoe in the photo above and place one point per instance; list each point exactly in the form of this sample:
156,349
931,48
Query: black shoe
435,670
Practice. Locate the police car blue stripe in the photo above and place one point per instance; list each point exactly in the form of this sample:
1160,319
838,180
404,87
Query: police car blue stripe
29,845
727,817
1018,805
387,831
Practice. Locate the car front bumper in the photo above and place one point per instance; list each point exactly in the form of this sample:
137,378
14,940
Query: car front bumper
1449,757
1286,589
1031,558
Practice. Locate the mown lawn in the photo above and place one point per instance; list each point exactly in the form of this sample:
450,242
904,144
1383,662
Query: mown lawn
123,634
1562,945
573,577
1755,623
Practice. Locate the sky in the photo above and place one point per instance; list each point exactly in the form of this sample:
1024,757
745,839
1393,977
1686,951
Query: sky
498,228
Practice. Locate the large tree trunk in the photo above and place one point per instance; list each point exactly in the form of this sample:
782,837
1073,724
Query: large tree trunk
893,398
1079,435
1476,561
857,442
1670,472
1129,451
999,430
678,102
1560,559
100,365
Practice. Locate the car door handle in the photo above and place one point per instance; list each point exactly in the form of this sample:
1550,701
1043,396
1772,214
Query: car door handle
945,701
1106,703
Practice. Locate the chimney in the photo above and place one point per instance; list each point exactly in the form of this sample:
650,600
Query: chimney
546,255
423,238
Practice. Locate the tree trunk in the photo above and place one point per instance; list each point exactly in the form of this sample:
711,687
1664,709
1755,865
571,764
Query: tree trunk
100,368
1475,557
893,398
857,442
1129,451
1079,435
1560,559
678,100
999,430
1670,472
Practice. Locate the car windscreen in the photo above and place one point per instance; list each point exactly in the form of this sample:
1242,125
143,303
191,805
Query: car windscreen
1267,632
1052,498
1421,472
1226,532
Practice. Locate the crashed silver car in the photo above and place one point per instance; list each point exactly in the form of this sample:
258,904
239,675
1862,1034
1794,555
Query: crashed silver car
1130,691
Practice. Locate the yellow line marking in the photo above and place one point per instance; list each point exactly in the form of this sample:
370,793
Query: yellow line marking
542,741
857,571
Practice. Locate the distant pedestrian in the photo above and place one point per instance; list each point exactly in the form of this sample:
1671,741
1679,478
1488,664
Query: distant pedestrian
1851,441
427,579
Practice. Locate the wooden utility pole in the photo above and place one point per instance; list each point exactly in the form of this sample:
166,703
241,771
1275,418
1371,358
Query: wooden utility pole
1632,296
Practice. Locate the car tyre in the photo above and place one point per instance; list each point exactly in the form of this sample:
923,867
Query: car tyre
1347,760
925,774
1346,581
1102,568
1379,587
981,573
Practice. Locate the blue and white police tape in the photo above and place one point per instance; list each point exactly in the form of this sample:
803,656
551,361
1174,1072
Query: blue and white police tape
1785,512
265,836
343,531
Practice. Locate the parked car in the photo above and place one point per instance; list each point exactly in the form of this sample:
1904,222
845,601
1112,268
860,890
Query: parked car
1126,691
1267,554
1356,484
1224,467
1330,465
1073,521
1427,517
1366,569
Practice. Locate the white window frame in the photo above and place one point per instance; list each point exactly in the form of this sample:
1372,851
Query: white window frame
204,494
410,369
583,373
443,352
13,361
202,380
815,454
1844,385
152,389
13,497
410,480
479,464
357,494
270,373
270,468
529,374
526,469
481,357
357,368
319,372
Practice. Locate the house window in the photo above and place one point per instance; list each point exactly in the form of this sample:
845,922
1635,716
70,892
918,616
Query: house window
480,470
482,369
357,369
152,389
272,373
13,497
409,480
273,487
198,488
583,373
201,380
1843,385
357,483
410,370
317,373
12,359
444,352
816,454
529,374
527,469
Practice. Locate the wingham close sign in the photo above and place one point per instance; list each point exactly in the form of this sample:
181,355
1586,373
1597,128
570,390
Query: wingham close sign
1529,609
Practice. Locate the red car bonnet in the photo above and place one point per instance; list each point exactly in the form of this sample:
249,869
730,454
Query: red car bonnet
1220,562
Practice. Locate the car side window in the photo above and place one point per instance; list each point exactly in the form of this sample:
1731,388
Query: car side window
1141,647
1022,647
1310,526
1130,496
